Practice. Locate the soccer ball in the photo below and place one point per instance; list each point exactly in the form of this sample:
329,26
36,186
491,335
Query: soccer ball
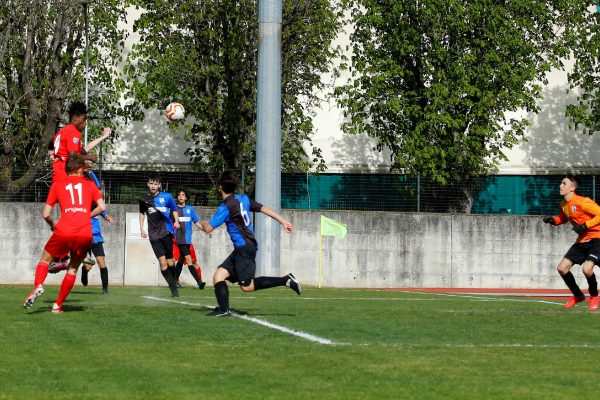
175,112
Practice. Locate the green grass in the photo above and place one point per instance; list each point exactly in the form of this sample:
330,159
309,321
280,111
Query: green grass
390,345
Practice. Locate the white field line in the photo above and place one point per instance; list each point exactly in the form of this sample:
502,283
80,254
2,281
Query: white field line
300,334
302,298
495,346
500,298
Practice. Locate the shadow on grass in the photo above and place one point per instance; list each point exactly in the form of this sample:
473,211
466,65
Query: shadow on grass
66,309
86,292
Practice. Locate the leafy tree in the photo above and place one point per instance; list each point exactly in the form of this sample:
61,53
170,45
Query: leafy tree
585,77
42,69
438,82
203,54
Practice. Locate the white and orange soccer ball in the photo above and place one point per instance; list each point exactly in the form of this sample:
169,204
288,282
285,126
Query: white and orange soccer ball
175,111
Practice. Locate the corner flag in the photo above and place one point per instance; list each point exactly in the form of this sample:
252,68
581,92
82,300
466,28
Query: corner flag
331,227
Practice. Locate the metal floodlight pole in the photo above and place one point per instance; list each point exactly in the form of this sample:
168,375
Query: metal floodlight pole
268,134
84,3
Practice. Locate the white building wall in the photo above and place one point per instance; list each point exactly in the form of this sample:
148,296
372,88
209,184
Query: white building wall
551,146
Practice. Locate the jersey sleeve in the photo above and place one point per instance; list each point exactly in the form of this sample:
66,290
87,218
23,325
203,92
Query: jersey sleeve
562,217
171,203
590,207
195,217
219,216
52,197
255,206
143,206
95,192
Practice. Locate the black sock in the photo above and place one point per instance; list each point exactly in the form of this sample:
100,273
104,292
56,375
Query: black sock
222,294
194,273
84,276
168,275
178,269
593,285
265,282
104,277
572,285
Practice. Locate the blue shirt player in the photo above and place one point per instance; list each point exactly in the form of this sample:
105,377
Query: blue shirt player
240,266
97,248
161,210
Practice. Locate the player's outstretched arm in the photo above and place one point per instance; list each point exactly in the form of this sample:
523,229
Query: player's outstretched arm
98,140
201,227
549,220
271,213
206,227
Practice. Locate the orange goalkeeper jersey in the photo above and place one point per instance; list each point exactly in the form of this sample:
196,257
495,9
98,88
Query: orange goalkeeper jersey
581,210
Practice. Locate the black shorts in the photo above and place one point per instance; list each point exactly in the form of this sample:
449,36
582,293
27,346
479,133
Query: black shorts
581,252
184,250
163,246
97,250
241,264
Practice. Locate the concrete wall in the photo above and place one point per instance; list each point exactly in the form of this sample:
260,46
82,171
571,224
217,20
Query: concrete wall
381,250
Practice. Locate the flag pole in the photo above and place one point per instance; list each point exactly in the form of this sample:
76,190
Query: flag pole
320,258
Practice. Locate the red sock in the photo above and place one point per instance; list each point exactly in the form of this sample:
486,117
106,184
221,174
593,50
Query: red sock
65,288
41,272
199,272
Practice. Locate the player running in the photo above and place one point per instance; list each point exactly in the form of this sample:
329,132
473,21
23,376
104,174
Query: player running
584,215
240,266
73,232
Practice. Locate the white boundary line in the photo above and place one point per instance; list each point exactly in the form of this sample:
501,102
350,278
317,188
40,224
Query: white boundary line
500,299
495,346
300,334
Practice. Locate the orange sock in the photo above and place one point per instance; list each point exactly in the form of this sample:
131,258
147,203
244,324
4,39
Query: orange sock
41,272
199,272
65,288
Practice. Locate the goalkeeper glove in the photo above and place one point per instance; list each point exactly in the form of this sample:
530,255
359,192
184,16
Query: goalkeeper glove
549,220
580,229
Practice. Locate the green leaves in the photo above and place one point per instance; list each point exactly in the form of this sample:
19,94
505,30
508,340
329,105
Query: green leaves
42,70
433,80
585,76
204,55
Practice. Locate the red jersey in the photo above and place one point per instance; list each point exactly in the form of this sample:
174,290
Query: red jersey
75,196
66,140
581,210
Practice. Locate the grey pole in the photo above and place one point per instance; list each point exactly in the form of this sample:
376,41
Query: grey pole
84,3
268,136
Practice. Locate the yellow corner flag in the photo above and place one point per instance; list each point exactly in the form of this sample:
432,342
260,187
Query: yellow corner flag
331,227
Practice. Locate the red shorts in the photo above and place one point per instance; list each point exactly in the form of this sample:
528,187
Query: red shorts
59,246
176,252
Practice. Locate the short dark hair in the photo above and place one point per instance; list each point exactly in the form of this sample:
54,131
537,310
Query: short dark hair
154,176
74,162
228,181
76,109
573,179
184,190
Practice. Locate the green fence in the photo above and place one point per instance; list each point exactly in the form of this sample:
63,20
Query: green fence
498,194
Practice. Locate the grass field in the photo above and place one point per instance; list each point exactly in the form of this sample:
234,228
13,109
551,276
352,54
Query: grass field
325,344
